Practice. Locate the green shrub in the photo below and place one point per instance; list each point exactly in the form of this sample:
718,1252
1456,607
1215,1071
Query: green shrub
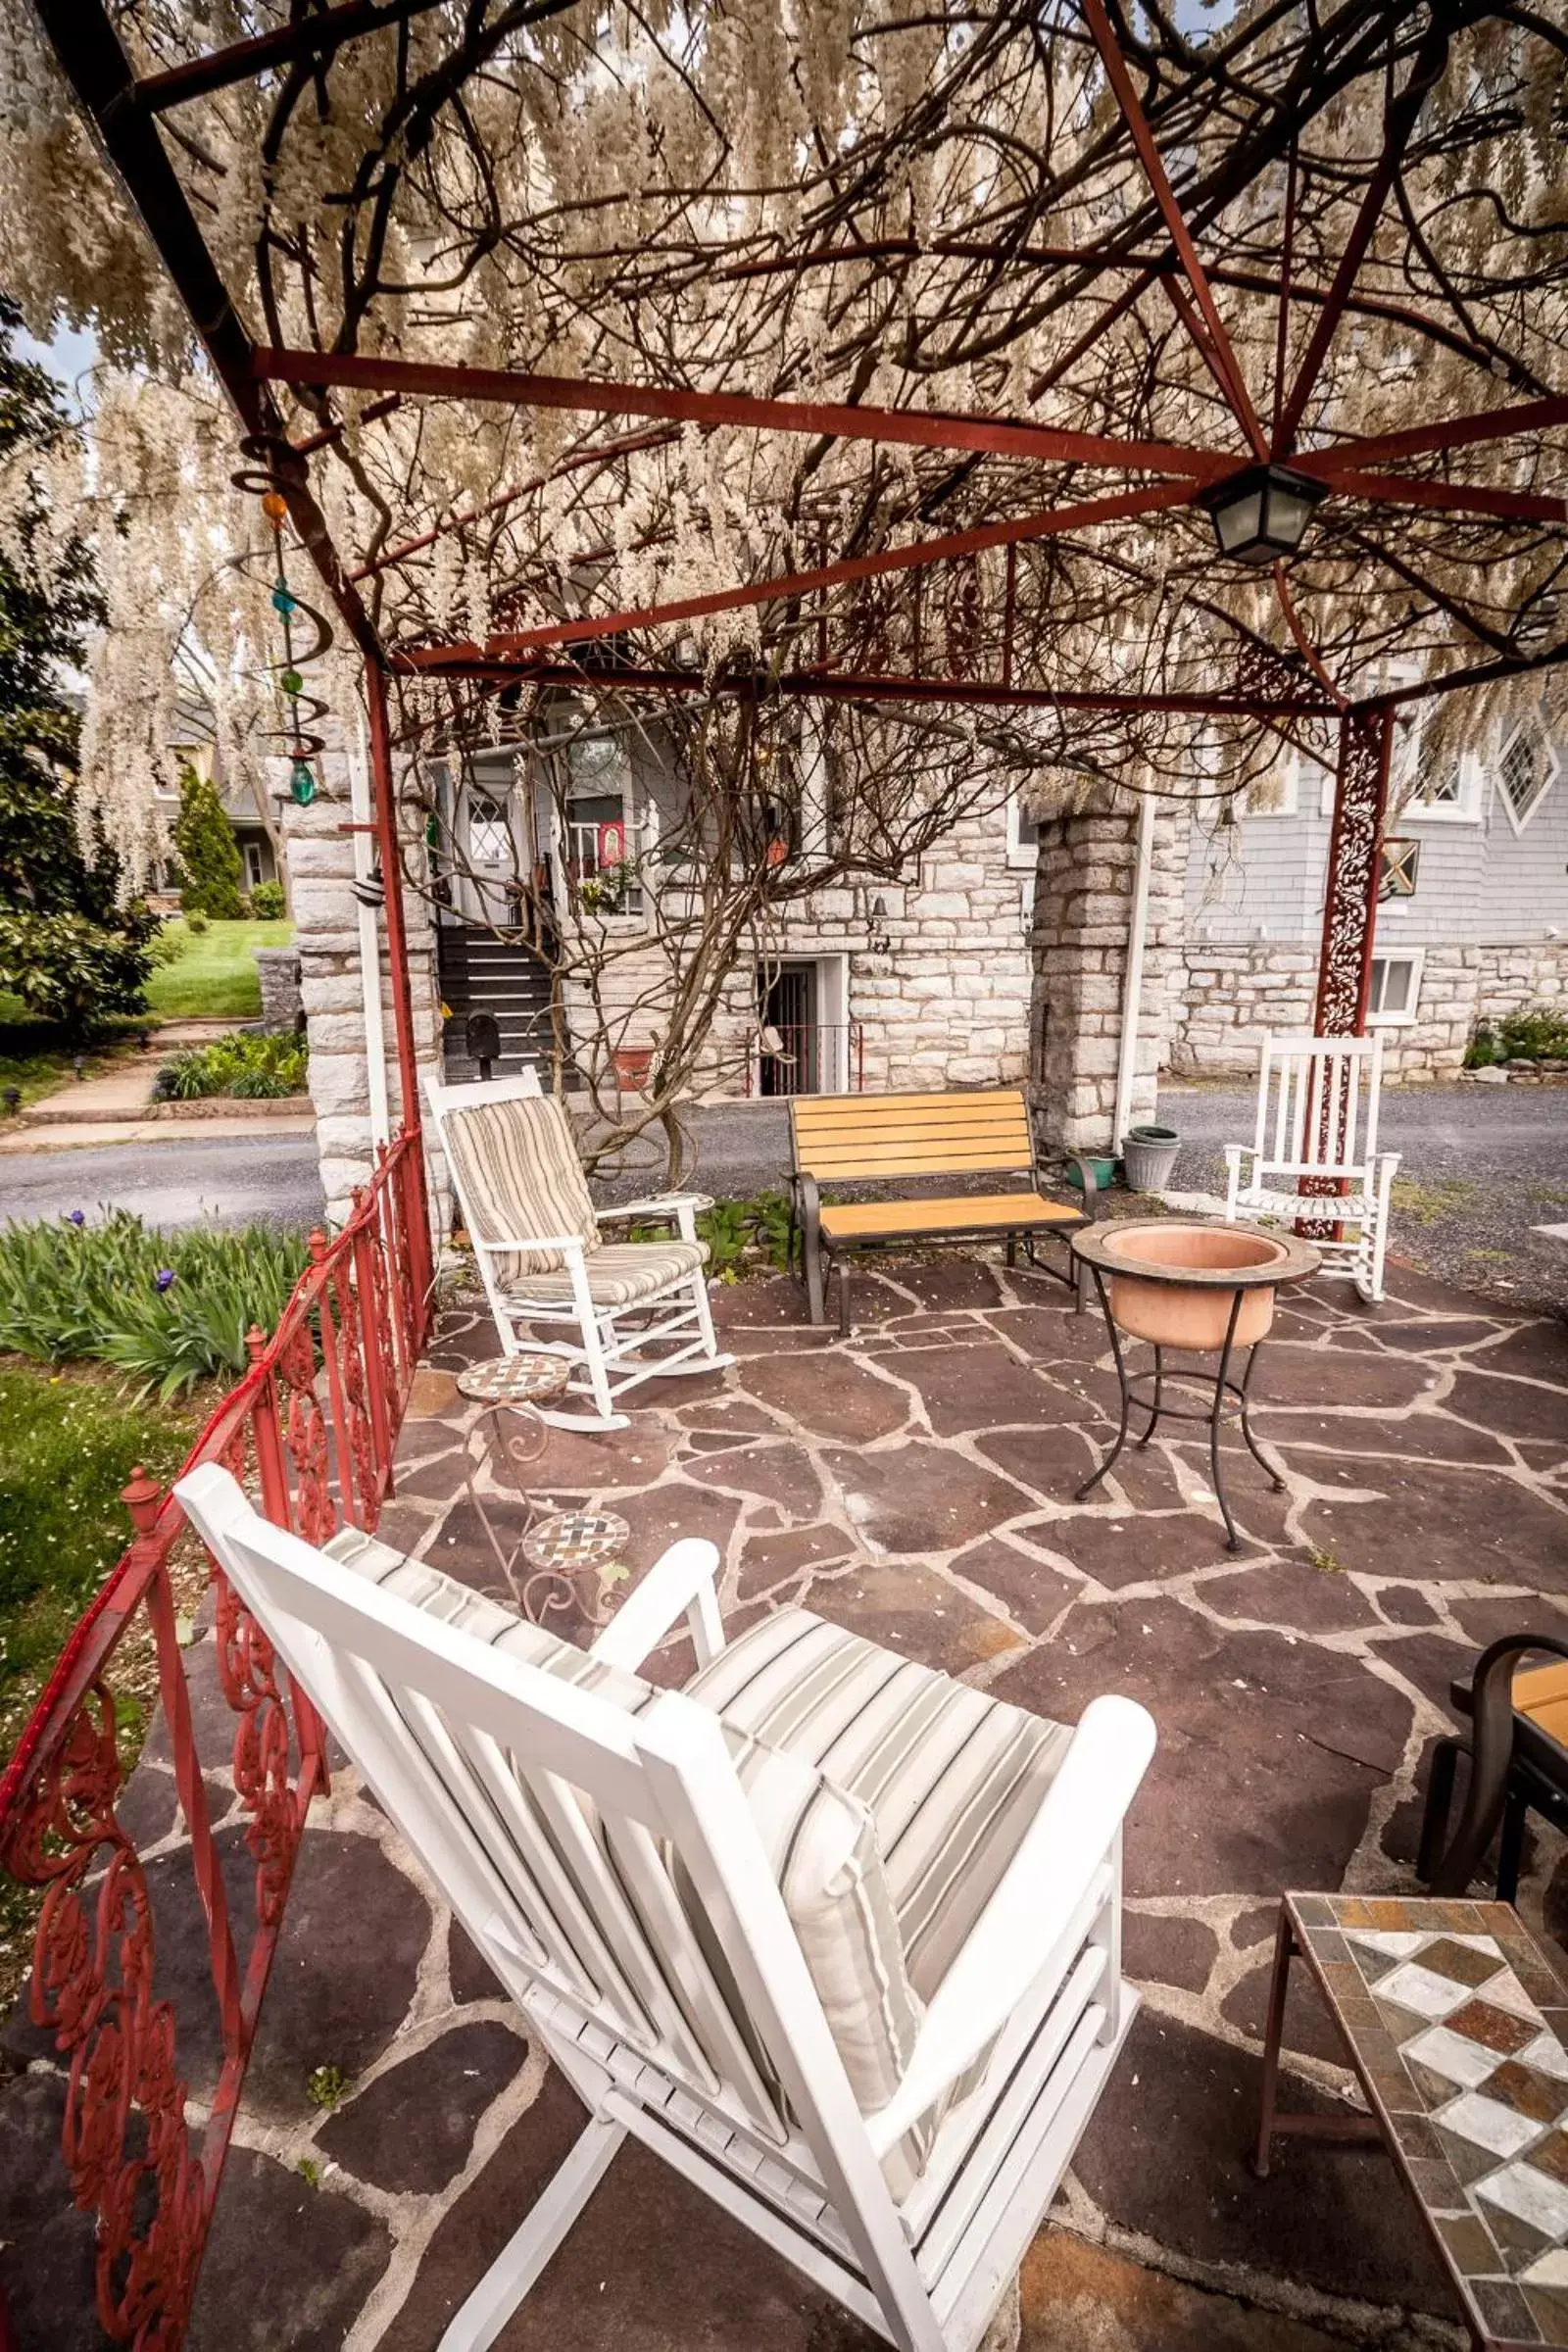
267,903
198,923
1535,1035
208,852
67,968
254,1064
1482,1051
169,1309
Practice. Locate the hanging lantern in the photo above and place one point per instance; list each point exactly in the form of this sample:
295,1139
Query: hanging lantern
1261,514
302,784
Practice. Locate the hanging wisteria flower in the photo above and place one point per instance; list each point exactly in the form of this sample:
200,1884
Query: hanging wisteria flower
162,1278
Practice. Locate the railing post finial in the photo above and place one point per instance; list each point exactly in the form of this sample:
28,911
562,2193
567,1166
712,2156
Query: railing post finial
141,1497
255,1342
315,1244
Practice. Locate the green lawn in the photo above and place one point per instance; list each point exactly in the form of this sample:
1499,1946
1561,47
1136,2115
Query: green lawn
69,1441
215,977
38,1057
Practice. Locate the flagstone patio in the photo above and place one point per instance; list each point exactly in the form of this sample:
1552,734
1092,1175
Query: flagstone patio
917,1482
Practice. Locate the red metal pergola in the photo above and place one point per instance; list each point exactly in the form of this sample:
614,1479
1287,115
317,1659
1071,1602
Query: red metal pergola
1158,252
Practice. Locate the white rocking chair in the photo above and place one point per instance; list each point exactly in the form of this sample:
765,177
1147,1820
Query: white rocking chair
1317,1117
536,1236
870,2014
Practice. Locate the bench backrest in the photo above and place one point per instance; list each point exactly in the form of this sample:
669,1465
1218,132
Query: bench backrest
849,1138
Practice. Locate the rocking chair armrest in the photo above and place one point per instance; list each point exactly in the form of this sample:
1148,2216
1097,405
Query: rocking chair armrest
671,1208
683,1578
1033,1920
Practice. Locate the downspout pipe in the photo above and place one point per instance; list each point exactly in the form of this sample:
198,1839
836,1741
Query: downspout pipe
366,901
1132,990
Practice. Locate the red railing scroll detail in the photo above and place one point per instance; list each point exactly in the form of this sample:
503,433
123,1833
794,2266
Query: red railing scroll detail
310,1429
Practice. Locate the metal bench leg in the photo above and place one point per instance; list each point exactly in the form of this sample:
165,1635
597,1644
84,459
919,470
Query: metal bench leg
841,1260
1511,1850
1440,1798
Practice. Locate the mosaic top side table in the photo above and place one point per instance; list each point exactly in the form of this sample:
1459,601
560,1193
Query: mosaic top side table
1457,2027
570,1556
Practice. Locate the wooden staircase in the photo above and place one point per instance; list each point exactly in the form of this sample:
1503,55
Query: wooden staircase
480,973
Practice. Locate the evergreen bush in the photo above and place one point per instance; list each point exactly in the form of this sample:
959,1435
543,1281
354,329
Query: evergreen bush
208,852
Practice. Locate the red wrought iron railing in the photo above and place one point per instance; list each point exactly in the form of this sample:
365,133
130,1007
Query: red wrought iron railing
310,1429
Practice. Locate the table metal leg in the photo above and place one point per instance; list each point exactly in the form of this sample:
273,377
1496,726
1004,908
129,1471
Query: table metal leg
1152,1409
1092,1481
1273,2033
1256,1451
1216,1420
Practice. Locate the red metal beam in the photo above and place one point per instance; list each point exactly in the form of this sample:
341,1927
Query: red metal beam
869,686
1449,498
1222,359
1454,433
784,585
320,36
918,428
1430,60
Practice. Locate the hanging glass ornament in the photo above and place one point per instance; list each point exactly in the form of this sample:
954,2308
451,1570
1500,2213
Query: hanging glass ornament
302,784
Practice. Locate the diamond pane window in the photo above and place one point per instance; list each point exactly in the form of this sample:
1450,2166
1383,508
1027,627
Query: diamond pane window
489,842
1524,771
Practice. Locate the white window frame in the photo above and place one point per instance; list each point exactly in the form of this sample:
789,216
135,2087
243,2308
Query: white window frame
1505,745
1415,957
1469,808
1023,856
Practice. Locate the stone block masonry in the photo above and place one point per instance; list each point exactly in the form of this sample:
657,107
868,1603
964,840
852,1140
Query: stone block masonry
1237,988
326,941
1082,904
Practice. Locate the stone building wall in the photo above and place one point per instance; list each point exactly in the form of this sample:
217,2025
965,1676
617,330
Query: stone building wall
943,1002
1083,902
320,864
1235,990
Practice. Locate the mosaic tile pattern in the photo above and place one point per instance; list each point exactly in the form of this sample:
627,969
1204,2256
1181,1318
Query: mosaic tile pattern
571,1540
515,1380
1459,2029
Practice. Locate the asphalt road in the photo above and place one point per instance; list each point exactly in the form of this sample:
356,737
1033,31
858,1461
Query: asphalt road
1480,1168
183,1182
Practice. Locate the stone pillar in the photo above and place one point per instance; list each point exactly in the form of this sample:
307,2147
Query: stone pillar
326,935
280,970
1083,899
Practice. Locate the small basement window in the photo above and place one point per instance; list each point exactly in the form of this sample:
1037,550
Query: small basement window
1395,988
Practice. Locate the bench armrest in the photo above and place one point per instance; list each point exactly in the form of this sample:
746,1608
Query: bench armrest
683,1578
1033,1920
1085,1179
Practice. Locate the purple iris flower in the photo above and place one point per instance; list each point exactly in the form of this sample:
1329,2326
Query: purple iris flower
162,1278
78,1216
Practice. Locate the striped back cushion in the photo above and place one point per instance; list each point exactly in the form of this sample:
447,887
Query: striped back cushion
518,1173
821,1842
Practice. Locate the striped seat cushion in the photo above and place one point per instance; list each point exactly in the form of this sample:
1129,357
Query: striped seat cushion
620,1273
821,1844
951,1778
518,1174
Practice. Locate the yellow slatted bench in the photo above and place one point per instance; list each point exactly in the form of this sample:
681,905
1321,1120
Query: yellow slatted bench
891,1140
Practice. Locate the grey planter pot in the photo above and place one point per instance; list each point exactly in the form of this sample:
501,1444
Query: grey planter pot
1149,1157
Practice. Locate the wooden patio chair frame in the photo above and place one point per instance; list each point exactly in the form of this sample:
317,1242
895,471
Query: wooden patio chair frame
1312,1136
515,1767
956,1133
608,1357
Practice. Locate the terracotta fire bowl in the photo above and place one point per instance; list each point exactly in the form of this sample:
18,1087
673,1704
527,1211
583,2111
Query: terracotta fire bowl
1174,1283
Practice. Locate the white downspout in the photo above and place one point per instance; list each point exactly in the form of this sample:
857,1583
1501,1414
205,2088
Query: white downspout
1132,993
366,904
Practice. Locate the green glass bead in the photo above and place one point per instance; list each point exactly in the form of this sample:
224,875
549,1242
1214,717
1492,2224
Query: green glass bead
293,683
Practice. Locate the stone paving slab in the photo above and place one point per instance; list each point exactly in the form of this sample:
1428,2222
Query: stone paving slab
916,1482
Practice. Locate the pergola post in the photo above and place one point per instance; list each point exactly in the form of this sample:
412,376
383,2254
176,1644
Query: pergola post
1351,895
384,800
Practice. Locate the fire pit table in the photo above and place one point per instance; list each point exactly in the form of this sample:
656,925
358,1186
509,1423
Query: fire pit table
1194,1287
